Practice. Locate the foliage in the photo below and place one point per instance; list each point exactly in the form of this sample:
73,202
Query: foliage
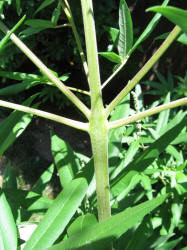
143,155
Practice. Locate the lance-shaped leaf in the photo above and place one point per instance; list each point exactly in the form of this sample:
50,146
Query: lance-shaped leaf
64,158
43,180
6,38
145,159
44,5
13,126
8,231
126,30
102,234
18,87
40,23
58,215
111,56
149,29
175,15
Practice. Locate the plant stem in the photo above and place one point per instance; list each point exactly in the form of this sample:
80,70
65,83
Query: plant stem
47,115
147,113
98,123
115,73
67,10
80,105
172,36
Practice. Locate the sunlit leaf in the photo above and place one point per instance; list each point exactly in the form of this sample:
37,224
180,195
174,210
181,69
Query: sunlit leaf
102,234
111,56
8,231
149,28
175,15
58,215
126,30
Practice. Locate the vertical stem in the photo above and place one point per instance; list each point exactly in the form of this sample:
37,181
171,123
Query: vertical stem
98,122
67,10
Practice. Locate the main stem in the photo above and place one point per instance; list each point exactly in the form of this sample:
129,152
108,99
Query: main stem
98,122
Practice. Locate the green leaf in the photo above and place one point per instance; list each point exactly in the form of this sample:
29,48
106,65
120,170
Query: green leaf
175,15
81,223
163,116
115,135
126,30
177,155
6,38
44,5
58,215
9,178
114,33
139,239
149,29
111,56
56,14
102,234
8,230
182,39
28,200
39,23
18,7
132,150
64,159
13,126
146,158
170,244
17,88
43,180
146,183
19,76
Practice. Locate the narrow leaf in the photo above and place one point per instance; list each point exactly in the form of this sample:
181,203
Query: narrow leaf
111,56
126,30
9,178
43,180
146,158
64,159
18,7
115,135
163,116
149,29
19,76
39,23
102,234
13,126
81,223
58,215
6,38
17,88
28,200
8,231
44,5
175,15
56,14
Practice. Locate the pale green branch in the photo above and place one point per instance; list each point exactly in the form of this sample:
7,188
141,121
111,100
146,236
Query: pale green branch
172,36
71,88
72,123
62,26
149,112
67,10
80,105
115,73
